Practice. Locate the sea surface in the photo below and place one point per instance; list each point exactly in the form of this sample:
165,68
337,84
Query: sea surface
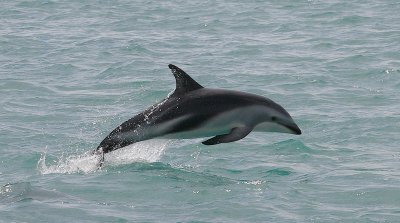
71,71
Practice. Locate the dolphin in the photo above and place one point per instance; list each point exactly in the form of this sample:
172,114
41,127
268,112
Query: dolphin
193,111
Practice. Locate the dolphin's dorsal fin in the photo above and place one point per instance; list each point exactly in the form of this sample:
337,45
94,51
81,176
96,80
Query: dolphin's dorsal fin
184,83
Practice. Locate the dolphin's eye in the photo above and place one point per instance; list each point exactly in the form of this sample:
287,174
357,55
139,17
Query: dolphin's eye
273,118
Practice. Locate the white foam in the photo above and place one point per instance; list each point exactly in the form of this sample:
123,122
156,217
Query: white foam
85,163
147,151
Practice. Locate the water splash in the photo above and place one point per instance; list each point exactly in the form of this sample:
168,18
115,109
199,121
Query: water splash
84,163
147,151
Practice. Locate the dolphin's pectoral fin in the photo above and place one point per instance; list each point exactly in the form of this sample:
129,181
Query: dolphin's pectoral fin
235,135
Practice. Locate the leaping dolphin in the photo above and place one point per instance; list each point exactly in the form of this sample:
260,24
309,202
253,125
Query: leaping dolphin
193,111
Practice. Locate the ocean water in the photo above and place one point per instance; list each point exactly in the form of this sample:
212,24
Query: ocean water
71,71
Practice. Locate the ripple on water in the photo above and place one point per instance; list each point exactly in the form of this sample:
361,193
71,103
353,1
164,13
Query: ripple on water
278,172
15,192
291,146
25,191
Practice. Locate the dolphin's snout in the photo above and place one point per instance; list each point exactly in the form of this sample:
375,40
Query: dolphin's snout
296,130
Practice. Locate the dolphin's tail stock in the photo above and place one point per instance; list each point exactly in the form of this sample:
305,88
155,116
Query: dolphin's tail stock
107,145
99,152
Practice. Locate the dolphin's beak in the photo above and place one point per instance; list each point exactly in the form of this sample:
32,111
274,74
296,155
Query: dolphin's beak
294,128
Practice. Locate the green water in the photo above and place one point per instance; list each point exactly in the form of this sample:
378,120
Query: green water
71,71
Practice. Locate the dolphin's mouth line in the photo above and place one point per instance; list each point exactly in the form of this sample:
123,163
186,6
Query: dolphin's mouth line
294,128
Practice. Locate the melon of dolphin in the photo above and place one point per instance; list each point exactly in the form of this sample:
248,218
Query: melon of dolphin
193,111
